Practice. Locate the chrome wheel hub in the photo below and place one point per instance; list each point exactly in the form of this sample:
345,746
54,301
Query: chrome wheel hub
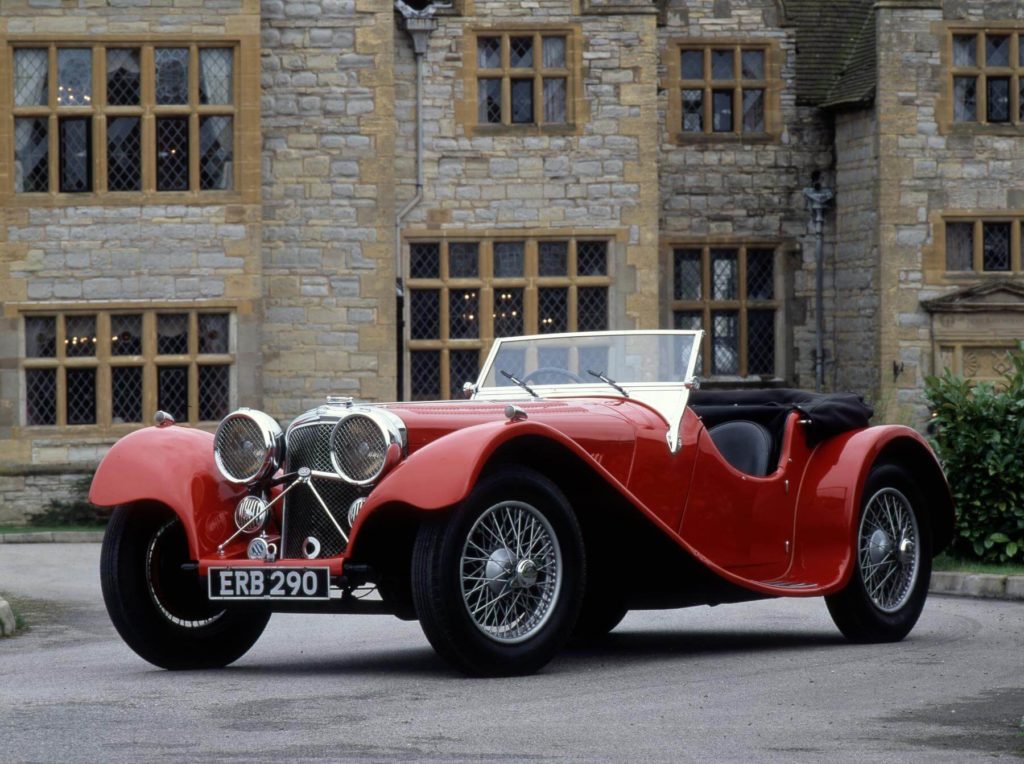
511,572
888,552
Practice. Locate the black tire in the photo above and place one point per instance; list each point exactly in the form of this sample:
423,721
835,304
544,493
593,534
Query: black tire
160,610
450,576
873,608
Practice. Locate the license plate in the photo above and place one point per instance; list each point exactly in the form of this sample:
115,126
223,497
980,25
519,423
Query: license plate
269,583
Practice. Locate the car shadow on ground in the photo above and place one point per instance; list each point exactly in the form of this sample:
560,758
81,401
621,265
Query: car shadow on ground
624,647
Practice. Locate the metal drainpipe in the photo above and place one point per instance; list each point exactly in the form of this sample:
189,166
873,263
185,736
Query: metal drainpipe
818,199
419,29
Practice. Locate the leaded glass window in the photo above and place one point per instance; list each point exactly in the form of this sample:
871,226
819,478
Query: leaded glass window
731,293
101,133
463,294
987,76
523,79
110,367
722,90
978,245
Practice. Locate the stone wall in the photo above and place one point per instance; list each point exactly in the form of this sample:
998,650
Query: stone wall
929,167
743,190
601,177
79,251
328,201
855,261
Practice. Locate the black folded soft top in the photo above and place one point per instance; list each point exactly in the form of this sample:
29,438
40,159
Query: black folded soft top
827,414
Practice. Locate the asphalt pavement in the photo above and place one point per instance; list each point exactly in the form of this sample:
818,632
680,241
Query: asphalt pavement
755,682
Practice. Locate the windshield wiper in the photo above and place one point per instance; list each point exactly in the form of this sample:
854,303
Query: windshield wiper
609,381
519,382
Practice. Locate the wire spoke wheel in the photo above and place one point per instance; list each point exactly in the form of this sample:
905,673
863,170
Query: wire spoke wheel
178,597
889,549
511,572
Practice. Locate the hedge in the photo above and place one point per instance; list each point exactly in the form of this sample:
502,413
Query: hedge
978,434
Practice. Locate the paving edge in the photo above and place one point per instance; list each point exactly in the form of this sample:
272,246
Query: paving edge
52,537
7,622
983,585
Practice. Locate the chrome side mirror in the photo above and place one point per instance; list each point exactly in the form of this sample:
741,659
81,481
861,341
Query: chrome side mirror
468,389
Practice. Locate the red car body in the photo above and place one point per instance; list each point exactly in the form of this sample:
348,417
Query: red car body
682,523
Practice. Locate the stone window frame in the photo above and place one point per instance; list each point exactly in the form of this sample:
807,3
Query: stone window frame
103,361
488,285
577,111
945,111
244,111
936,270
706,304
674,85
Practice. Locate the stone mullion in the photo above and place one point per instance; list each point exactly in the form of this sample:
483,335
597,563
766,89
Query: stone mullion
193,118
62,388
1015,257
150,378
743,328
978,255
104,376
147,121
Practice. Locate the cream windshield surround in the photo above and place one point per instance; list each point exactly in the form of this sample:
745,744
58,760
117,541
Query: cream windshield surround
654,367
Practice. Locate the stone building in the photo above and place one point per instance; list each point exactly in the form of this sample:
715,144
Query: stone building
213,203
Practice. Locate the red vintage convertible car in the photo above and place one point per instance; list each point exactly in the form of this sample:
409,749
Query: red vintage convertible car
585,477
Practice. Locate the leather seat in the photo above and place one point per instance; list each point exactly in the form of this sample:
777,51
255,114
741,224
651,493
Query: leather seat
746,445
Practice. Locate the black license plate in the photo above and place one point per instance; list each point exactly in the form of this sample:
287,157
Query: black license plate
269,583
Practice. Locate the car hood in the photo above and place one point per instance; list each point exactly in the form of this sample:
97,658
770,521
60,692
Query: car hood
604,427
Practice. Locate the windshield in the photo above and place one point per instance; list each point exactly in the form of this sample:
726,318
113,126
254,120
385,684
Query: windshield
625,358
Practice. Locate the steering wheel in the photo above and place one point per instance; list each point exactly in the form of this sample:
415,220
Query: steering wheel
556,370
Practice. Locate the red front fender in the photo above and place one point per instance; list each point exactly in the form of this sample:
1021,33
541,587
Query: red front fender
173,466
442,473
828,507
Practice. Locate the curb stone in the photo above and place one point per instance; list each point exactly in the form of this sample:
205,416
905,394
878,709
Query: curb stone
7,622
982,585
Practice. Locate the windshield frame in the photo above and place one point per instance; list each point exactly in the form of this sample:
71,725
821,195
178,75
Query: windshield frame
667,397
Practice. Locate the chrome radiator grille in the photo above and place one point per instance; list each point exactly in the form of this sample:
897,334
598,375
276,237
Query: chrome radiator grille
308,446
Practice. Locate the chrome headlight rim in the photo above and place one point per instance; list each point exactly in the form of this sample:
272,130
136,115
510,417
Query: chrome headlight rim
391,428
273,446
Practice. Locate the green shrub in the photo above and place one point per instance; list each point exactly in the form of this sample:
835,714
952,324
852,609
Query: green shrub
75,510
978,434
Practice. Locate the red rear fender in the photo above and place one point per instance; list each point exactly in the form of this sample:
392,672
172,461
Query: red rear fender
172,466
828,507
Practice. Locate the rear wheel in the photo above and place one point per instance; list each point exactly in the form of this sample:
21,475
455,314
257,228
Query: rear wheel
497,587
889,585
160,610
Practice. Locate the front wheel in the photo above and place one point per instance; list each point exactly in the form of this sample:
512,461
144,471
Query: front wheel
497,587
160,609
887,590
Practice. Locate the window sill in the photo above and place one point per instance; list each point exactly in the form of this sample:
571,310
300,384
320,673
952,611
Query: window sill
689,139
969,129
569,128
124,199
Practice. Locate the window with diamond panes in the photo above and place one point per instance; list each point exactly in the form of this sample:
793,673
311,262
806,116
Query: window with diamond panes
721,90
986,76
983,246
523,78
126,118
730,293
118,367
463,294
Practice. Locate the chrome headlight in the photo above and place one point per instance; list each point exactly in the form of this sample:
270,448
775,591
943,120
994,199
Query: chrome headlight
248,446
361,443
